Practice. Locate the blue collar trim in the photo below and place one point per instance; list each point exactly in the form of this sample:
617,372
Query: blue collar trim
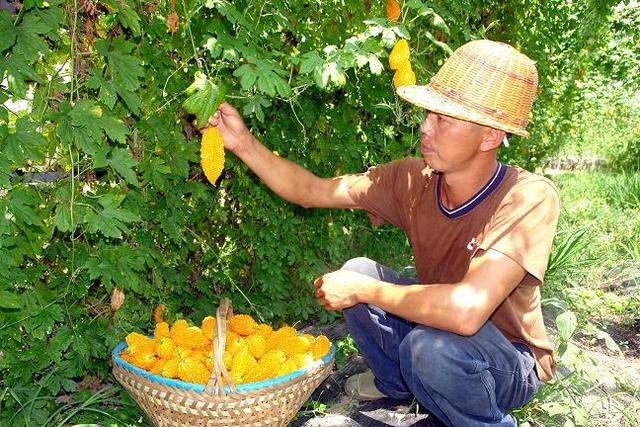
484,192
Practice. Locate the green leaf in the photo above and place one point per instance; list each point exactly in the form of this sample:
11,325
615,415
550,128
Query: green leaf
254,106
440,44
114,128
7,30
5,174
62,219
25,143
85,119
9,300
111,220
331,72
155,170
439,24
374,64
129,19
108,94
24,206
567,323
310,61
214,47
248,76
204,99
123,163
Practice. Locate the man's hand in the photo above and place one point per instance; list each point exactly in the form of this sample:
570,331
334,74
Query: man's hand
231,126
339,290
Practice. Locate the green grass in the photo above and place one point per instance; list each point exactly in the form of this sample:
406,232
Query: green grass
597,245
599,209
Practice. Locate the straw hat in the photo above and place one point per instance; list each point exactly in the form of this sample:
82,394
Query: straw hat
485,82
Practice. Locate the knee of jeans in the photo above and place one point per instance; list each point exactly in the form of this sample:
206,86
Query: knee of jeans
359,265
357,313
426,352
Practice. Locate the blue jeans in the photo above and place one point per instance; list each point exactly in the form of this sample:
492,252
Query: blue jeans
462,380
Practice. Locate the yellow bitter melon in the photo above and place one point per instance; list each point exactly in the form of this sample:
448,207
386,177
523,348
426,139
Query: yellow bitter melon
212,154
404,76
399,54
242,324
320,347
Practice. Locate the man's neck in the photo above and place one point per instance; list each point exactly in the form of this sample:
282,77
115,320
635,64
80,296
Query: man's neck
459,187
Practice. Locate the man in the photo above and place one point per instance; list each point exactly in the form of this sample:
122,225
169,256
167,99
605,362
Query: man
467,339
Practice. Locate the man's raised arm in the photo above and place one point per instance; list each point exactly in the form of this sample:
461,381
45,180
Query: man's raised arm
285,178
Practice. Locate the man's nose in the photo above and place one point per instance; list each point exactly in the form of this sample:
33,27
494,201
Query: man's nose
427,125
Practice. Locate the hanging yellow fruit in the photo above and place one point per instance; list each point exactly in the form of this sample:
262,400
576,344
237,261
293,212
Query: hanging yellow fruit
404,76
212,154
399,54
393,10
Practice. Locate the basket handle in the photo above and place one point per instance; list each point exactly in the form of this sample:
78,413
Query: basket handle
215,386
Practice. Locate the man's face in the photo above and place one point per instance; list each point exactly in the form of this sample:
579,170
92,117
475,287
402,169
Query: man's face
448,144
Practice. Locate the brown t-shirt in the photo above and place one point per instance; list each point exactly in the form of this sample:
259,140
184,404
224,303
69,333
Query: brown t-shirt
515,213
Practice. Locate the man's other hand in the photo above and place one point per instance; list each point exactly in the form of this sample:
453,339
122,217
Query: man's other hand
339,290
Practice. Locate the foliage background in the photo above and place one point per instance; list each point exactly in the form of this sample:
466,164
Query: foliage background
100,184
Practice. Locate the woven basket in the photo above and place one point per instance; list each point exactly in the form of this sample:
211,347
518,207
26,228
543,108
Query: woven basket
176,403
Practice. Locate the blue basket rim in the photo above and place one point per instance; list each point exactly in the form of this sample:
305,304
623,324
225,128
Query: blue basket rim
115,354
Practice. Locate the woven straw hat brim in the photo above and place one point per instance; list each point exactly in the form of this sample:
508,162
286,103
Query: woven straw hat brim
425,97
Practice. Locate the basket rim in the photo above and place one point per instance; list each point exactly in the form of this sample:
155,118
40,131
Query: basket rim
115,355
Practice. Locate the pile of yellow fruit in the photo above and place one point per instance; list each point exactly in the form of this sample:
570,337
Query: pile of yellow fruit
253,352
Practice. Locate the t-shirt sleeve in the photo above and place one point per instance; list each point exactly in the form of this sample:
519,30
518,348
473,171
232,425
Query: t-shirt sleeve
524,226
379,191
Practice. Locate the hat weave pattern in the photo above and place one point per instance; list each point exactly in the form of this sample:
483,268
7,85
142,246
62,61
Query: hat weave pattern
485,82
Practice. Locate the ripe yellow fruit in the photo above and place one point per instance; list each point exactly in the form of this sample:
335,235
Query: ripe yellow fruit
138,343
183,353
242,324
208,326
293,345
404,76
399,54
279,336
302,360
212,154
134,339
157,366
276,355
192,370
179,324
310,338
243,361
234,343
127,357
321,347
264,330
162,330
257,345
266,368
190,337
169,369
287,367
207,357
144,359
227,358
165,348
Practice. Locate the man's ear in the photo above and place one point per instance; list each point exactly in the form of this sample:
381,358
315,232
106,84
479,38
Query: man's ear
492,139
